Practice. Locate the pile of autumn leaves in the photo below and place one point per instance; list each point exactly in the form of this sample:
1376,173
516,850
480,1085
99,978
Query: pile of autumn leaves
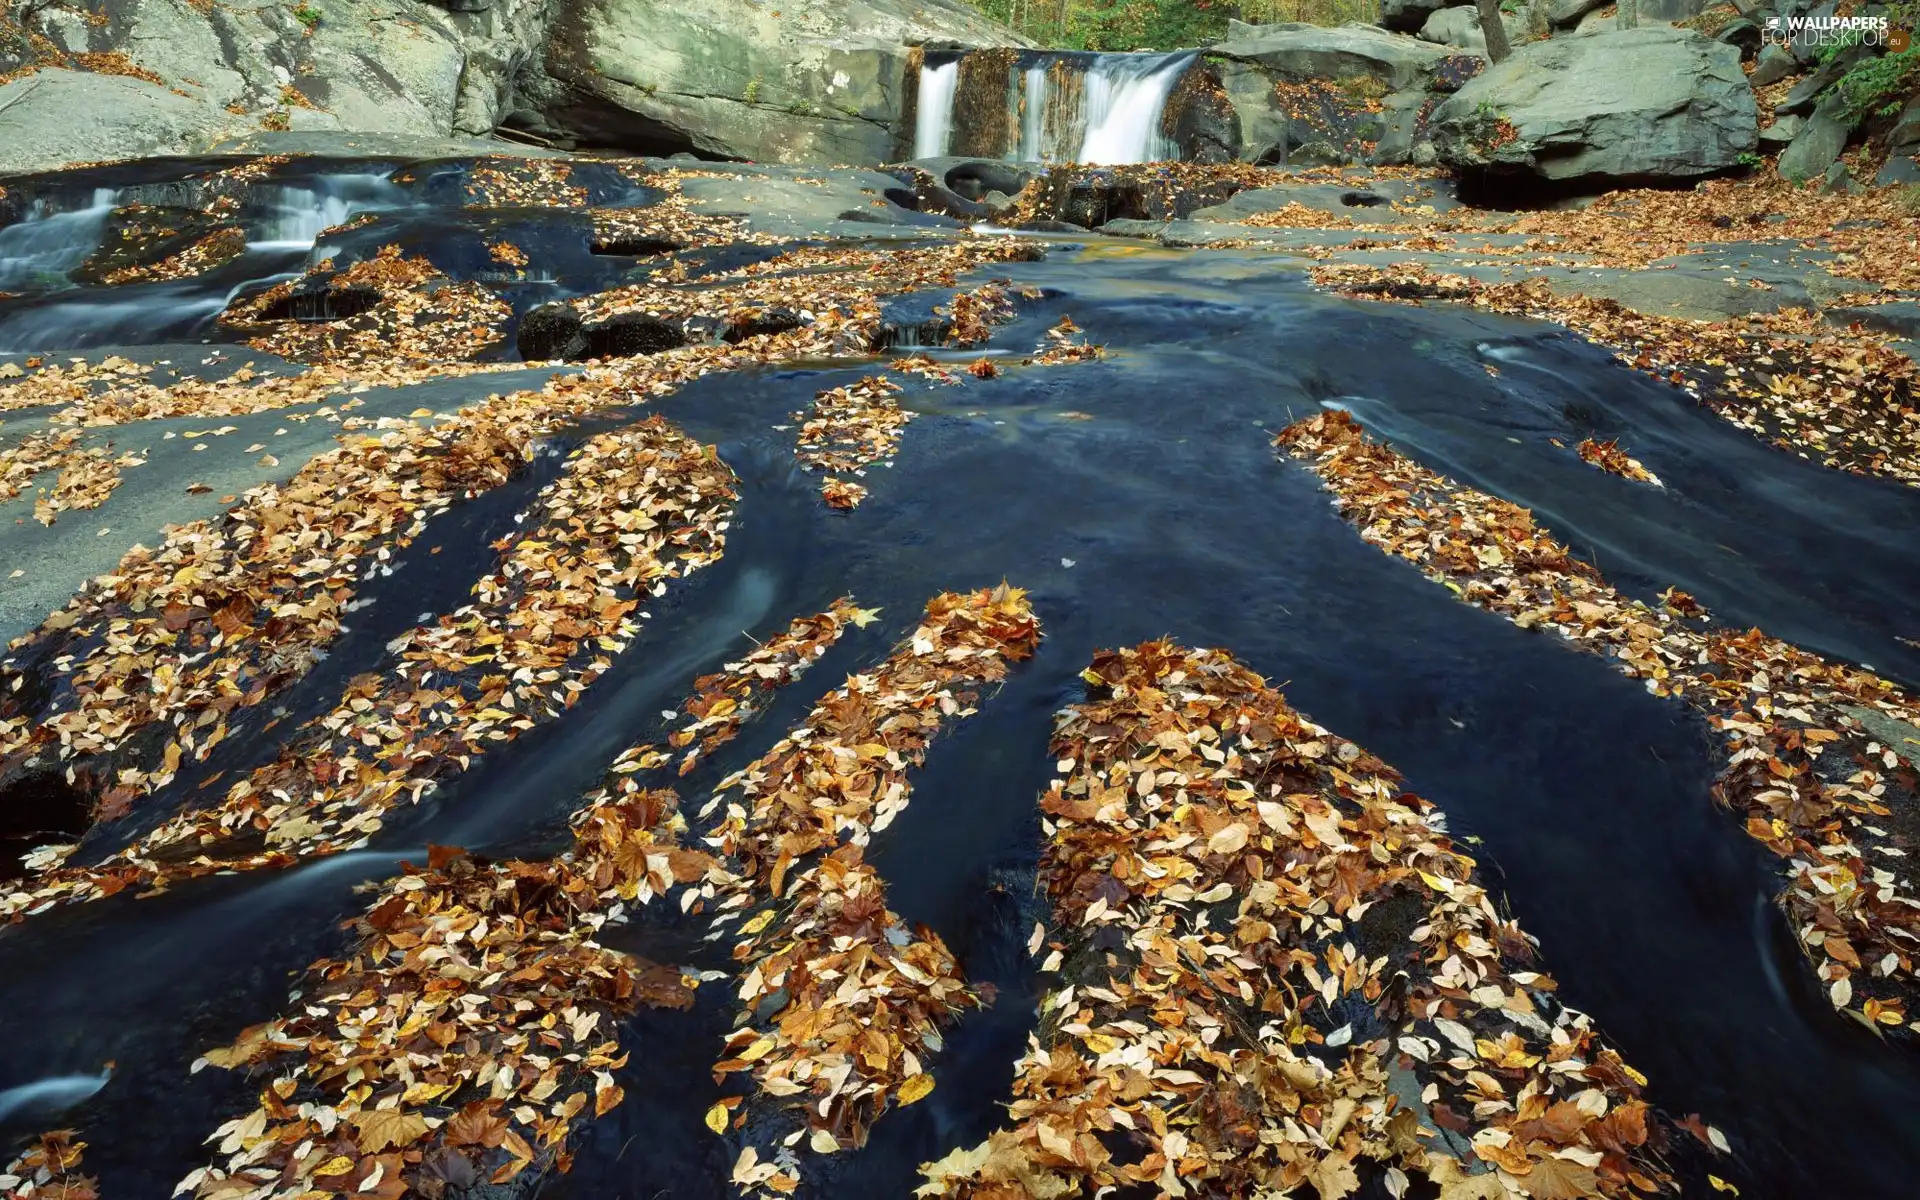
474,1023
1812,761
1239,1007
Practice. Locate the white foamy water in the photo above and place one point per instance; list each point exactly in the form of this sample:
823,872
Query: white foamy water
933,111
1111,117
1126,96
38,250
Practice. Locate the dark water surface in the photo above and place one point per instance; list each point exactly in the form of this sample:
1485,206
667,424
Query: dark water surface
1165,514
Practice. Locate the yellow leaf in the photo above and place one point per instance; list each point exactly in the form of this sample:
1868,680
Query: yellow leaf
757,1051
717,1118
915,1088
758,923
339,1164
1721,1185
863,617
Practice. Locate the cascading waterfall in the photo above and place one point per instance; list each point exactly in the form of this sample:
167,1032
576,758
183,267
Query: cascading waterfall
1125,97
1033,115
292,216
933,112
283,221
49,241
1099,109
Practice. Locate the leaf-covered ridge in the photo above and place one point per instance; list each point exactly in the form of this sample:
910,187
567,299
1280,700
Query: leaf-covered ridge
474,1024
1270,966
631,511
1817,761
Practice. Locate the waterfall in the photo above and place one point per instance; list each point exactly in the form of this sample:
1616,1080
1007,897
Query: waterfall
1099,109
292,216
933,111
1033,115
1126,95
37,251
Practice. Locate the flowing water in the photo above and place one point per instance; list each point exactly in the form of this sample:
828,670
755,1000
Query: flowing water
1164,513
933,111
40,252
1100,109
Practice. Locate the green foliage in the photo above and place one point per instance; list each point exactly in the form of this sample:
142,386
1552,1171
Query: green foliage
1114,24
1908,198
1875,82
752,94
307,15
1750,160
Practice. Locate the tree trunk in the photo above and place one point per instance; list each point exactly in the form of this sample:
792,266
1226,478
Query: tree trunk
1494,29
1629,14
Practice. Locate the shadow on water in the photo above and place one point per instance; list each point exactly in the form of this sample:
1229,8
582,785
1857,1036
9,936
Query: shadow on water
1164,514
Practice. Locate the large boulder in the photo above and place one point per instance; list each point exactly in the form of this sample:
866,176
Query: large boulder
1631,105
1461,27
1306,94
1296,53
811,81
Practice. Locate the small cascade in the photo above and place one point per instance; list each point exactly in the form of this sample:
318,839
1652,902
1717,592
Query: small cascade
1126,95
38,250
292,216
933,111
1098,109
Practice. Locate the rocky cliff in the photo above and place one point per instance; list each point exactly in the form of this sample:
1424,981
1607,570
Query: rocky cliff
810,80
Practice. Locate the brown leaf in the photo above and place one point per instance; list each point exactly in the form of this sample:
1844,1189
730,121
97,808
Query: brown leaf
1560,1179
380,1128
478,1124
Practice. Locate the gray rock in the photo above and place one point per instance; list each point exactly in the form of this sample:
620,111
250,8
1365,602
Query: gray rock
1564,14
1781,133
55,117
743,81
1403,16
1904,137
1370,205
1652,102
1299,52
1898,169
1461,27
392,66
1775,63
1818,144
1400,125
1839,179
1673,10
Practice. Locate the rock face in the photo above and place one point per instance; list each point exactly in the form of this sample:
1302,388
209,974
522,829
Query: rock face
807,80
162,76
1818,143
1634,104
815,81
1307,94
1301,52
